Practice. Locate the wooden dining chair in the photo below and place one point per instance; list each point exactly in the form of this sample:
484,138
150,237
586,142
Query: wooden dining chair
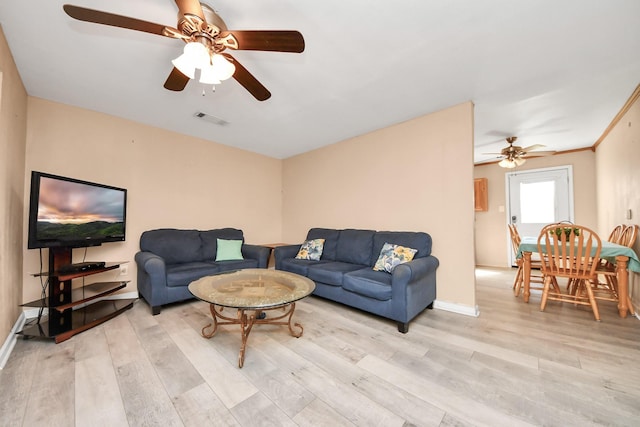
535,276
629,236
571,252
616,233
603,265
624,235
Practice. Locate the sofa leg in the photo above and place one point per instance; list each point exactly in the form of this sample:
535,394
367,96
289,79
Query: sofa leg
403,327
430,306
155,310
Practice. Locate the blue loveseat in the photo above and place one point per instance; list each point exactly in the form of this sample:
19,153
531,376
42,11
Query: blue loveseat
170,259
344,272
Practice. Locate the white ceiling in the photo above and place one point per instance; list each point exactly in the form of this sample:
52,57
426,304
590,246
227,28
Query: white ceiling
552,72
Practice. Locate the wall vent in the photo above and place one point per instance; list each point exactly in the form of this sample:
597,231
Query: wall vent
211,119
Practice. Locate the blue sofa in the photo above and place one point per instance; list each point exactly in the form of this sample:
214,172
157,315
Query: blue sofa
344,272
170,259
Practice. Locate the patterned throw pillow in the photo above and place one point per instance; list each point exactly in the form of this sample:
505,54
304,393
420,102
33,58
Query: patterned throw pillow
393,255
311,250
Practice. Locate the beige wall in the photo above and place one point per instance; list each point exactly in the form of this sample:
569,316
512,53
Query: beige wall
492,238
172,180
13,125
618,167
417,175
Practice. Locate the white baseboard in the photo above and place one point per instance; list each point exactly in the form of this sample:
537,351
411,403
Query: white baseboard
457,308
10,342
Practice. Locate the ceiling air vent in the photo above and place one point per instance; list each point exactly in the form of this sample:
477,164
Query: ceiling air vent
211,119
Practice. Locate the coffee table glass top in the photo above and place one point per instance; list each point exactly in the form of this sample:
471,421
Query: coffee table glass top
252,288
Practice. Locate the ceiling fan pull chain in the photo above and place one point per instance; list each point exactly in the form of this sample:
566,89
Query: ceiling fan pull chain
213,89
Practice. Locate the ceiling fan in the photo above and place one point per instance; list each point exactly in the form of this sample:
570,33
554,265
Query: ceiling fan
514,155
206,37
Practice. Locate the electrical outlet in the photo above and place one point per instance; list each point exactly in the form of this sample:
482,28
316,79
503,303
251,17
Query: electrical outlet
124,270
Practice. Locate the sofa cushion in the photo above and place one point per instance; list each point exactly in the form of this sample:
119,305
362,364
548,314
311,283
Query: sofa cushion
409,239
228,250
331,272
175,246
392,255
311,249
354,246
330,237
299,266
185,273
368,283
209,240
237,264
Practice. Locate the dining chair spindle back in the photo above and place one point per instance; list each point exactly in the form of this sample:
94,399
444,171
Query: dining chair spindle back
571,252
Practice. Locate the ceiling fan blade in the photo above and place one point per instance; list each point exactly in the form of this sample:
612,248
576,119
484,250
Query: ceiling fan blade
113,20
246,79
176,80
268,40
539,153
191,7
533,147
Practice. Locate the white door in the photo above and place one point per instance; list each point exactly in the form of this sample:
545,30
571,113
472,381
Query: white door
539,197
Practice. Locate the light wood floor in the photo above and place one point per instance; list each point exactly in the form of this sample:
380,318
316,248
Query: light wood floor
513,365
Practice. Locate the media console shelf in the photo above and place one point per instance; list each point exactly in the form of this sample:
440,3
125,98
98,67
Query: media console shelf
71,311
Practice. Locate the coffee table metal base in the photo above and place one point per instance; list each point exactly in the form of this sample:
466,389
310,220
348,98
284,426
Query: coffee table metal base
247,318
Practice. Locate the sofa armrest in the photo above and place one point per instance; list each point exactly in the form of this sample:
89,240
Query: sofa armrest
261,253
285,252
414,270
152,265
152,279
413,288
414,278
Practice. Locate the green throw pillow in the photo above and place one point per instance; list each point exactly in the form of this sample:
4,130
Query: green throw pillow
392,256
229,250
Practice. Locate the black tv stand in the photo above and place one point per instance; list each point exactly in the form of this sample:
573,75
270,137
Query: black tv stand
71,311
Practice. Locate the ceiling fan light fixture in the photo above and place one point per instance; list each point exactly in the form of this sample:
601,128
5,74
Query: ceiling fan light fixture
209,76
507,163
222,66
519,161
217,70
195,55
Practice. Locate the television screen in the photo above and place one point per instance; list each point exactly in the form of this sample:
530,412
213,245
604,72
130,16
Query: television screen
73,213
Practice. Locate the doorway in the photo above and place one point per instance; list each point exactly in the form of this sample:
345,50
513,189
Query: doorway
538,197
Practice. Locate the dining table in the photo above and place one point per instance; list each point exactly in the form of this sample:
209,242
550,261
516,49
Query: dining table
624,258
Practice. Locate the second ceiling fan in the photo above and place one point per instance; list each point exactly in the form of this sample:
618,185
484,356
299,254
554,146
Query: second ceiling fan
514,155
206,37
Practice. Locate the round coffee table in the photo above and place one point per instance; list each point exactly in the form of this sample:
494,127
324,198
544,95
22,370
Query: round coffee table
253,292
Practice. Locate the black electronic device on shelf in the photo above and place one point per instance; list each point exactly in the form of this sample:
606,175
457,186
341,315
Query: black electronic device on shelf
80,267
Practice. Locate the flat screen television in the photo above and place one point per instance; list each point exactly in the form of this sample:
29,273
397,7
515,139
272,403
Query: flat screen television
68,212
